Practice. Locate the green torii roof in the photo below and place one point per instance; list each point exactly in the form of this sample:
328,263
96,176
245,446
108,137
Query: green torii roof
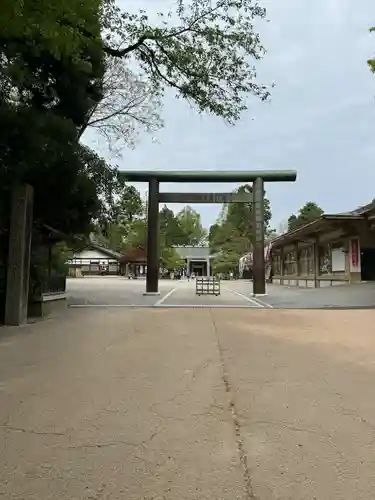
209,175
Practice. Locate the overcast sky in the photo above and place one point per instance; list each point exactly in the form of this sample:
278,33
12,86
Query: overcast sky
319,121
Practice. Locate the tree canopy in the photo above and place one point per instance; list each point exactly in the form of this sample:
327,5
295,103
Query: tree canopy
50,77
170,230
170,259
52,57
129,105
204,49
308,213
233,234
67,65
125,226
192,233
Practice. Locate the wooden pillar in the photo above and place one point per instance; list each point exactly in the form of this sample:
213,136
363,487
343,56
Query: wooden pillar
259,271
297,259
152,276
316,264
208,267
49,258
18,272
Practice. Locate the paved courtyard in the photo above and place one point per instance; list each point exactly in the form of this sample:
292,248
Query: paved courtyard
110,403
120,292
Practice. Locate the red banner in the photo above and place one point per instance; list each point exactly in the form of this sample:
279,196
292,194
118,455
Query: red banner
355,253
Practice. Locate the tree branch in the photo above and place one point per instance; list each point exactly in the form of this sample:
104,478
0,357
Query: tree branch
151,60
123,52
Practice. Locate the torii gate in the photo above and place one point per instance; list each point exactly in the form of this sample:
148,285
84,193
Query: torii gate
155,177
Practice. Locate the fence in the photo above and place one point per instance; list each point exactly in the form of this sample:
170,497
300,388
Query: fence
49,285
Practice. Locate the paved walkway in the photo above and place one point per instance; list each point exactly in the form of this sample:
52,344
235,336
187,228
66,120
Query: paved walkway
108,404
118,292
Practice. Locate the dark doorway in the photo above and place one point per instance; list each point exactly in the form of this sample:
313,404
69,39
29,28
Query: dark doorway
199,268
247,274
368,264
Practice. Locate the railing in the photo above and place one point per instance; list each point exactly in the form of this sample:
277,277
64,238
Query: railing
50,285
54,284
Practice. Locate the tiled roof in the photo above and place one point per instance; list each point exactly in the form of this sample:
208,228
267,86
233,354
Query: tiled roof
189,252
364,208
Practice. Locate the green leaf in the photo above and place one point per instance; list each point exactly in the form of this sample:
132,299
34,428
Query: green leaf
205,51
308,213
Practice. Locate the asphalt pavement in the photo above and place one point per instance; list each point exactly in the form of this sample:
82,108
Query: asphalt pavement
361,295
111,403
121,292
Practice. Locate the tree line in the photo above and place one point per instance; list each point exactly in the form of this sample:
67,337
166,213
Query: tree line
127,228
232,235
68,66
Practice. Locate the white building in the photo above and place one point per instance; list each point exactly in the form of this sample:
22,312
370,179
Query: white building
94,260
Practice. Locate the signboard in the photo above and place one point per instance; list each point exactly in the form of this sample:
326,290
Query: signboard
205,198
259,213
355,258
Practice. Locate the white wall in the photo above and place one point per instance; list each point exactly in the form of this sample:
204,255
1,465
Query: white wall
338,260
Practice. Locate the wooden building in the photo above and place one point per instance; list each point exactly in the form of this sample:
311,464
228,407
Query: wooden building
334,249
94,259
198,259
134,261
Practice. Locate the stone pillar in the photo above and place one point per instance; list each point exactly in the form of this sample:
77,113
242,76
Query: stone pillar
208,267
259,270
152,276
18,272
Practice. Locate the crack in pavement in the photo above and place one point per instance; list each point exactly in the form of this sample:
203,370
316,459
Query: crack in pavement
116,443
249,492
82,446
30,431
195,374
285,425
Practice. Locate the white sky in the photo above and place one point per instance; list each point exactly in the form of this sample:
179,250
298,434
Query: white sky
320,120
